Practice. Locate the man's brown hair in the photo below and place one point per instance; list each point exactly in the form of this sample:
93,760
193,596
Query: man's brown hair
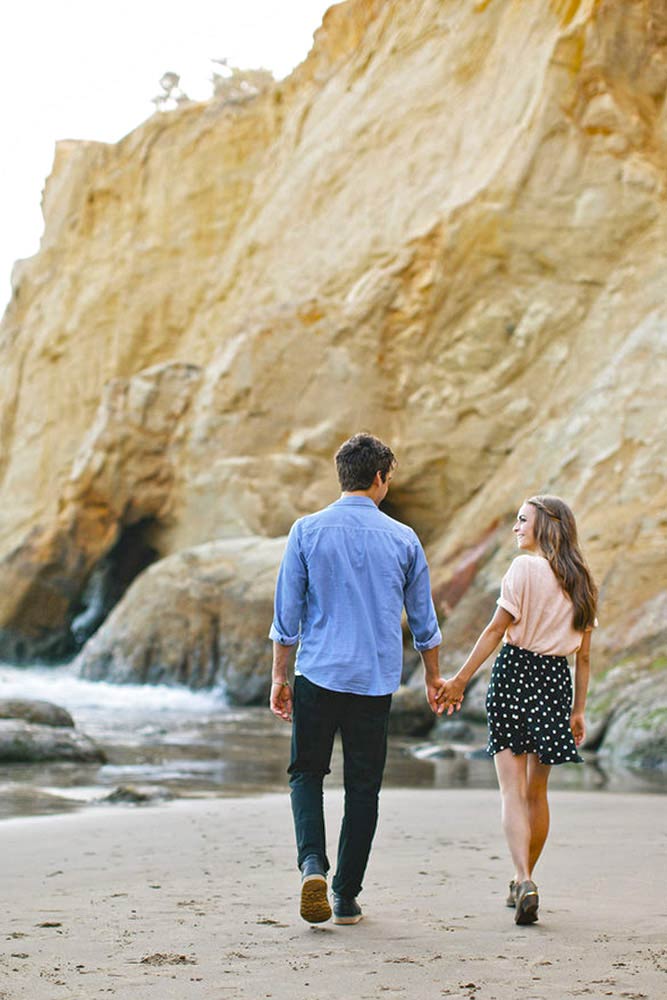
359,458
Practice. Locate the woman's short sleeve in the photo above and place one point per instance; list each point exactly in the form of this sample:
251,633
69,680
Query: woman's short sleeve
512,589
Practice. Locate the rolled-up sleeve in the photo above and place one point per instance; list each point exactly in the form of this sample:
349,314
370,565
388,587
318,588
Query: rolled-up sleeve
419,607
290,592
511,589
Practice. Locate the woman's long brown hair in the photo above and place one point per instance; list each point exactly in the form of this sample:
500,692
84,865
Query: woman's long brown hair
555,532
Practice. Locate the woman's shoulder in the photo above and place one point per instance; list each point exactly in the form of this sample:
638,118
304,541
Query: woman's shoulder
531,570
524,564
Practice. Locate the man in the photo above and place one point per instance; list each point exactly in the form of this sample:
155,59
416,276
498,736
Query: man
346,575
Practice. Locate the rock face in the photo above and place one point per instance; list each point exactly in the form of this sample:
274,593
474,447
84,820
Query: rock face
628,715
636,735
447,226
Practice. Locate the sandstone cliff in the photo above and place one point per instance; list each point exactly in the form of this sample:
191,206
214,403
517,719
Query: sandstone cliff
447,226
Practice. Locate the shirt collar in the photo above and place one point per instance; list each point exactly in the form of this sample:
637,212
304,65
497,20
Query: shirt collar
357,501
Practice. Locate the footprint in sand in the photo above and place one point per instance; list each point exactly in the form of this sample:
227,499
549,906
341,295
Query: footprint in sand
167,958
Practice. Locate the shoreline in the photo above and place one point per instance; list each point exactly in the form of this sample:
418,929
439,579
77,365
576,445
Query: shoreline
199,898
27,794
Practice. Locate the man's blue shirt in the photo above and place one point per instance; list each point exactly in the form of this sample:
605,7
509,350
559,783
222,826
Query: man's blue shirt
346,575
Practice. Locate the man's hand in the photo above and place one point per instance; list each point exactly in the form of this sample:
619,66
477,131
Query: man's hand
280,701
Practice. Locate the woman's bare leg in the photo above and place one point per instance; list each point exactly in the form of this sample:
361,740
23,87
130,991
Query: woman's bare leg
538,806
513,781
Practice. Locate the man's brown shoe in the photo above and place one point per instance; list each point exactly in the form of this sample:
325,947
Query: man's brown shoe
527,903
315,907
511,895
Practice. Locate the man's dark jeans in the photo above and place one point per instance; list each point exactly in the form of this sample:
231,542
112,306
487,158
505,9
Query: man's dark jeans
363,721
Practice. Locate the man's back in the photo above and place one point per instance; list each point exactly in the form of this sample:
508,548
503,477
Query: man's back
347,573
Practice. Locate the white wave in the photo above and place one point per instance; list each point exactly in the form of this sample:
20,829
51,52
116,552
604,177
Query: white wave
65,688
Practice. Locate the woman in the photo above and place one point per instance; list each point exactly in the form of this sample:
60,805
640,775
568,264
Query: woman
546,611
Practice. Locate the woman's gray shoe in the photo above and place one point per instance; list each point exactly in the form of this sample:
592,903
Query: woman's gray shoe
527,902
315,906
346,911
511,895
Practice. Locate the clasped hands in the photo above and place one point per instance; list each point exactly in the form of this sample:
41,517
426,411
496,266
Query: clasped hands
449,695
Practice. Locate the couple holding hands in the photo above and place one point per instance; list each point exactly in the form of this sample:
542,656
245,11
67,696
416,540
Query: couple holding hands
348,572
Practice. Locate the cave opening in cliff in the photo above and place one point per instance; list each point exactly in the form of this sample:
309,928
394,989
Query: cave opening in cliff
111,577
411,508
390,506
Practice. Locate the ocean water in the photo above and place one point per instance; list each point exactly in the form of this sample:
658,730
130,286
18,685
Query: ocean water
174,742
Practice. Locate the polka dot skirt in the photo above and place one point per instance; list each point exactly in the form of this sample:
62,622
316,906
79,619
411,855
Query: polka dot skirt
528,705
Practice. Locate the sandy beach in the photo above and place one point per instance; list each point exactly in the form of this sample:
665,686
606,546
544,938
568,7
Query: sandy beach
199,899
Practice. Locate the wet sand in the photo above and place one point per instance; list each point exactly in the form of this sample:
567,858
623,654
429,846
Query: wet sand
199,899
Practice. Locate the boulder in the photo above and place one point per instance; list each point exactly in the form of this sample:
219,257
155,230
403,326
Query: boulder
42,713
137,795
410,712
635,734
25,743
200,618
453,729
473,708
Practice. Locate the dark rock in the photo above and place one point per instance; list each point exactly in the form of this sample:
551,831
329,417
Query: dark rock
432,751
410,712
42,713
137,795
24,743
453,730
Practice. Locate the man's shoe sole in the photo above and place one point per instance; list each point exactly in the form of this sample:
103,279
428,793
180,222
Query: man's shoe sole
315,907
348,920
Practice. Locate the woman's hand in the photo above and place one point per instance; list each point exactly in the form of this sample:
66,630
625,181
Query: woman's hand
578,727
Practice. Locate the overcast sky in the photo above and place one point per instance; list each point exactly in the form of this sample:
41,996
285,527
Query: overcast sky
84,69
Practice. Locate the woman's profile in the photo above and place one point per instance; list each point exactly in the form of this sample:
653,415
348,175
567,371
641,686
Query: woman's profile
546,611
